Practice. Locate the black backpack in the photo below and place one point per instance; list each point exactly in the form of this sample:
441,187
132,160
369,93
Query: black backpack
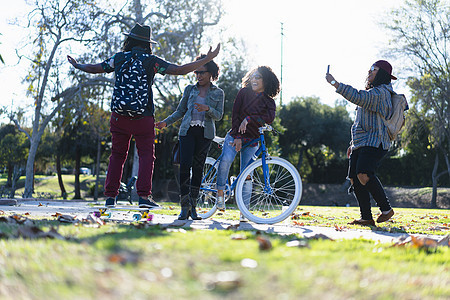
130,96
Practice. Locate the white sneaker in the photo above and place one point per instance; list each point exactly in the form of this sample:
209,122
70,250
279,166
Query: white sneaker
242,218
220,203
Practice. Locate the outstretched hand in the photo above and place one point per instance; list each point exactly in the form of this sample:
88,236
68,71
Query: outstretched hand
329,77
212,54
72,61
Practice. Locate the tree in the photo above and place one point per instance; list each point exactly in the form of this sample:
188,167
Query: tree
56,23
316,132
13,153
420,33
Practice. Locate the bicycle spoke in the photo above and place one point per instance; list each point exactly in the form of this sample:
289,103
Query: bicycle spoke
273,202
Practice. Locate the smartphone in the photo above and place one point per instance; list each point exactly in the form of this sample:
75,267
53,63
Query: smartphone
328,69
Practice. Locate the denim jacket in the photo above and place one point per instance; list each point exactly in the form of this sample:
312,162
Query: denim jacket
214,99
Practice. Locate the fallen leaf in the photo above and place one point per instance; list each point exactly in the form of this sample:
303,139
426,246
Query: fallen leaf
264,243
423,242
66,219
124,257
233,227
57,214
340,228
296,223
40,204
224,280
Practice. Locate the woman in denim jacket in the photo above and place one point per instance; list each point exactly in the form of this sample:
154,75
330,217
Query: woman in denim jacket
200,106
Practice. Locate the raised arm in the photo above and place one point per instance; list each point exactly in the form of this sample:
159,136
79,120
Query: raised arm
88,68
189,67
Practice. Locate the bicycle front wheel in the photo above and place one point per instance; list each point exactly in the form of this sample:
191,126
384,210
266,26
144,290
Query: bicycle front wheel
270,199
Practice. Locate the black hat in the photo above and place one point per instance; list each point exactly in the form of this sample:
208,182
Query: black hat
141,33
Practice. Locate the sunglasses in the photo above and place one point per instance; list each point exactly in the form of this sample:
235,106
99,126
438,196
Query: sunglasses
256,77
372,68
200,72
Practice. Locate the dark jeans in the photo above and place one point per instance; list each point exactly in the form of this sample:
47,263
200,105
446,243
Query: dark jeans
194,148
143,130
366,160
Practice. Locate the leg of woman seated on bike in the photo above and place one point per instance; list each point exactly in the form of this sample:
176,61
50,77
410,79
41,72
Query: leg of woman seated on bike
228,155
227,158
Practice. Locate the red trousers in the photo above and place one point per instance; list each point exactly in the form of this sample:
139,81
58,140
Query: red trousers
122,129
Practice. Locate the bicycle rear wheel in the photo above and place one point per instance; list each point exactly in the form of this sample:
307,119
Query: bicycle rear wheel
272,202
206,201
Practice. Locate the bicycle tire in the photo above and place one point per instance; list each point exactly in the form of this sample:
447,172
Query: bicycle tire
275,204
206,201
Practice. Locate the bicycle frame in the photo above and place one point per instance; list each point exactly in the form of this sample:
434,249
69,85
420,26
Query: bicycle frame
261,150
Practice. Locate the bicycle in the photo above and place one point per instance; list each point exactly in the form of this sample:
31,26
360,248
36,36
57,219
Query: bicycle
267,191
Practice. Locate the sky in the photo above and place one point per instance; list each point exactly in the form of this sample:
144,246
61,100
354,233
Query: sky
344,34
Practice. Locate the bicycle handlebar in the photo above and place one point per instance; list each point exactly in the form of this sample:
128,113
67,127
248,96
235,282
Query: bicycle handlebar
219,140
267,127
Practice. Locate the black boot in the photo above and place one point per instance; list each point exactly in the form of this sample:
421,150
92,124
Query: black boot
193,213
185,207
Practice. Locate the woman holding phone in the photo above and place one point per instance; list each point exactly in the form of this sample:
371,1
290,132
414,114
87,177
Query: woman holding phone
370,139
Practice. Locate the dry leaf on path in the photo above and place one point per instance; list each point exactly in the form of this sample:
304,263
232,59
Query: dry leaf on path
264,243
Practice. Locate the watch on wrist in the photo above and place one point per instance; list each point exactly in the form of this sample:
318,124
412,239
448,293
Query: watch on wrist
333,82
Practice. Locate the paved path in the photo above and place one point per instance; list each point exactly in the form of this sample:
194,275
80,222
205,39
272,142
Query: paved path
81,209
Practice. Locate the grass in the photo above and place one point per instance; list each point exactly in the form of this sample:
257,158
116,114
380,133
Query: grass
405,220
144,261
48,187
136,261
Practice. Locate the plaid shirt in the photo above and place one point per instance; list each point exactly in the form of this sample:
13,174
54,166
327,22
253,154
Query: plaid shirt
370,103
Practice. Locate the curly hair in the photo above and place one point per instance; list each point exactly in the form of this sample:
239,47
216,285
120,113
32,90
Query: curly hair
211,67
270,80
130,43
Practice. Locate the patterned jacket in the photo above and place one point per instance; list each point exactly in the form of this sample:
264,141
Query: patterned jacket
370,103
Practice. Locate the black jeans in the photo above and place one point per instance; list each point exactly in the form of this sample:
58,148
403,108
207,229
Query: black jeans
366,160
194,148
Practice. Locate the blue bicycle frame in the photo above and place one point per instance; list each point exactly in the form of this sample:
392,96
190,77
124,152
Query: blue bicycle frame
262,149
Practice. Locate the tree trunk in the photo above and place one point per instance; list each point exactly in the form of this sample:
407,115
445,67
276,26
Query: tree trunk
59,174
300,159
34,142
15,179
434,179
97,168
77,173
10,174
